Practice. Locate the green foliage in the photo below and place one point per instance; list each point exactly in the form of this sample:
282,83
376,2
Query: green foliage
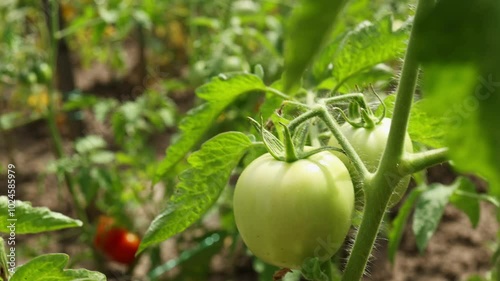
430,207
218,94
359,50
4,267
199,186
424,127
51,267
428,212
32,219
302,43
461,74
466,199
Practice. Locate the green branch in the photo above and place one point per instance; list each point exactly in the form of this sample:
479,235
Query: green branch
415,162
334,127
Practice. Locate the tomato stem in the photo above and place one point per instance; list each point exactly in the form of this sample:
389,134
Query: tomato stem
290,152
415,162
51,120
359,97
279,93
378,189
334,127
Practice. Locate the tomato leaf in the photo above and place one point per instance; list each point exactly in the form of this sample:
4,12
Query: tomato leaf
308,27
463,200
368,45
199,186
462,81
28,219
428,212
219,93
51,267
398,225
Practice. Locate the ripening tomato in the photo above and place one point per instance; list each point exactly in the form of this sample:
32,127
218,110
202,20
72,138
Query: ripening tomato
117,243
370,144
288,212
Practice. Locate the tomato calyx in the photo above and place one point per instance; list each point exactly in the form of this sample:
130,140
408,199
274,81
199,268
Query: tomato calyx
359,113
292,148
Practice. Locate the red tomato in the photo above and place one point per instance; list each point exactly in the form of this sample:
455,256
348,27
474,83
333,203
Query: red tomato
117,243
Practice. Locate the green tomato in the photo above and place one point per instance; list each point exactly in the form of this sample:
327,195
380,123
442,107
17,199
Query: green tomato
43,72
288,212
370,143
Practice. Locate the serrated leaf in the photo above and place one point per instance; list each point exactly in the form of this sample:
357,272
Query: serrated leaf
218,93
465,198
368,45
28,219
199,186
308,27
51,267
399,223
428,212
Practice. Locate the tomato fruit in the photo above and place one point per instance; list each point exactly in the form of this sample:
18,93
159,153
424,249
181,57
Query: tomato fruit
370,143
43,72
288,212
117,243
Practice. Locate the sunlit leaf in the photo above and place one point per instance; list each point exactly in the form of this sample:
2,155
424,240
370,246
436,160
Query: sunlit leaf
199,186
27,219
51,267
359,50
218,93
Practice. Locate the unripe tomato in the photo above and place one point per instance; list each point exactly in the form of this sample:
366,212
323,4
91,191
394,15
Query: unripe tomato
370,143
288,212
43,72
117,243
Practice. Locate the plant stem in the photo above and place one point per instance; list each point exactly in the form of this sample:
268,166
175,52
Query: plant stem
334,127
379,189
355,96
313,128
415,162
51,118
279,93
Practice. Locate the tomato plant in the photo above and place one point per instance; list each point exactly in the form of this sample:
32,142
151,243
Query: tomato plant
308,69
278,204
